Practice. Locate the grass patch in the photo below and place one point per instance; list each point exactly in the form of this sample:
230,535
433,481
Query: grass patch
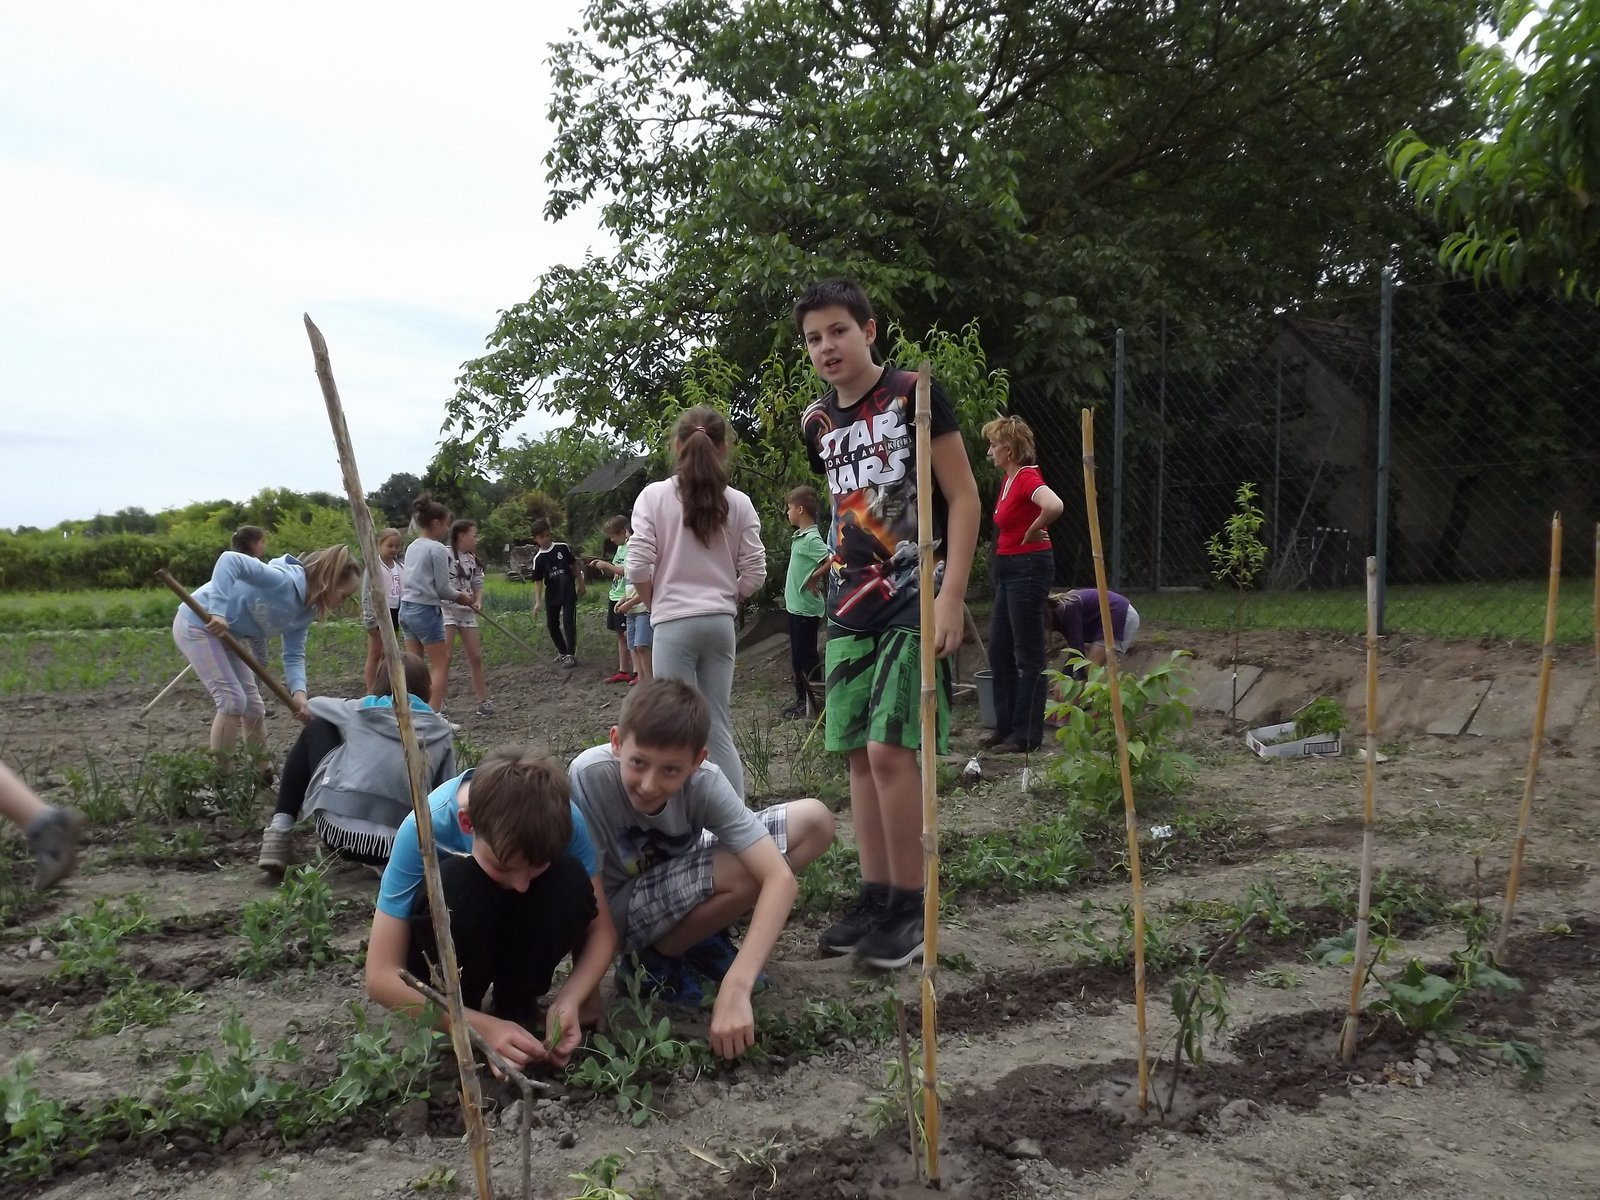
1513,609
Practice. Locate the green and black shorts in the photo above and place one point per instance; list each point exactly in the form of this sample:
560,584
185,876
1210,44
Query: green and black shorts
874,688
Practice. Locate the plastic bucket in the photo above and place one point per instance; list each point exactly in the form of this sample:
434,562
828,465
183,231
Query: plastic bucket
985,682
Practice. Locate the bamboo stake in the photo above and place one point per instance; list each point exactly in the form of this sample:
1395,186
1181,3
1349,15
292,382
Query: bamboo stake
164,692
471,1097
930,779
1130,814
1546,661
905,1075
234,645
507,632
1358,977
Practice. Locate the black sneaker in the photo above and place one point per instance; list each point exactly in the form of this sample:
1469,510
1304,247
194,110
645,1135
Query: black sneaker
795,712
841,937
896,939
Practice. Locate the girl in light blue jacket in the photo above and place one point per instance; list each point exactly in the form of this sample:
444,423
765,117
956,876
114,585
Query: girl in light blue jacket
251,598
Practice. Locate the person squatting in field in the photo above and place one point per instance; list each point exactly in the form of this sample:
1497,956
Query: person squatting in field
251,598
347,768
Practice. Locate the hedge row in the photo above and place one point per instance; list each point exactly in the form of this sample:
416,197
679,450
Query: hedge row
40,563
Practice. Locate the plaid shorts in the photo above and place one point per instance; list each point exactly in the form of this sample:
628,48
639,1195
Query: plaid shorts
666,894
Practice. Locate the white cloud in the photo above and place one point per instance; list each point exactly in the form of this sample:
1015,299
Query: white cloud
184,180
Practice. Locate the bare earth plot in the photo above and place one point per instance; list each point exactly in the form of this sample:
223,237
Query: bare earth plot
1036,987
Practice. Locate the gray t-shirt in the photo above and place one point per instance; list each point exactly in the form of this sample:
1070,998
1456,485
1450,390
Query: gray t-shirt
629,842
427,574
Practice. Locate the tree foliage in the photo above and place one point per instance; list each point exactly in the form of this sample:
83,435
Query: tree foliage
1046,170
1518,199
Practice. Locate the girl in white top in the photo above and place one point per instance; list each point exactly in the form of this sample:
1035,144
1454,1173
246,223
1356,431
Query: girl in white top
466,576
393,576
695,555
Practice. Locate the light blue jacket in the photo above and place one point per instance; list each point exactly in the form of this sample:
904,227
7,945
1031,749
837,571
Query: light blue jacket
261,600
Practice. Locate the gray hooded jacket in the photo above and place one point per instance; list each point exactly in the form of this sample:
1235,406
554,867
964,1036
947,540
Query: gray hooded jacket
361,788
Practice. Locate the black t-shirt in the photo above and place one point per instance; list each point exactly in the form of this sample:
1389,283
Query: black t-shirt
868,452
554,564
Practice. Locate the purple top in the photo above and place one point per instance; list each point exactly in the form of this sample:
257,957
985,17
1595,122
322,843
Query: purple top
1076,617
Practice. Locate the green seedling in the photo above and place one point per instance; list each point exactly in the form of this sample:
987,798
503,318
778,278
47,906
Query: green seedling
292,926
1275,979
1237,555
886,1110
599,1180
440,1179
140,1003
1323,715
87,945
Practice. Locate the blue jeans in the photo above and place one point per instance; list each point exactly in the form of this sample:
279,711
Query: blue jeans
1016,645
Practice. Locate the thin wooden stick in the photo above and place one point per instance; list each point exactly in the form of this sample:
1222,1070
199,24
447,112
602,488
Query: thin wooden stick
417,769
1130,813
1546,661
525,1085
507,632
164,692
905,1073
1358,975
228,640
930,778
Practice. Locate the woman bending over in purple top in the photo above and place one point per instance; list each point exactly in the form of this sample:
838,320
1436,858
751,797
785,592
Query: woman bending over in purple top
1076,617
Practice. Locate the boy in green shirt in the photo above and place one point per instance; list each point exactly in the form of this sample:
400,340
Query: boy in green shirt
617,531
809,558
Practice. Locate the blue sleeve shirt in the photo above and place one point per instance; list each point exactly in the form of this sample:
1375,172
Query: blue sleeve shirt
402,878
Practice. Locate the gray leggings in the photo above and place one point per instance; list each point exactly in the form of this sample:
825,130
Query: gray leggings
699,650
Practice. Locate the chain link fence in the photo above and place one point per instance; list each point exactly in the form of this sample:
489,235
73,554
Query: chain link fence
1437,428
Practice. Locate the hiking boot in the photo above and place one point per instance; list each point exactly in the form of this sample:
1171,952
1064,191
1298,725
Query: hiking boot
714,957
842,936
485,708
896,939
54,838
669,980
277,850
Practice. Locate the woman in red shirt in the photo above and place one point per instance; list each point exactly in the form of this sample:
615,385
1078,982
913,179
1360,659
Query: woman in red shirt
1024,568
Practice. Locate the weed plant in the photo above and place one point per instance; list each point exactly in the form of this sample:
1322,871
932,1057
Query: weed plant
293,926
1154,716
638,1054
886,1110
212,1092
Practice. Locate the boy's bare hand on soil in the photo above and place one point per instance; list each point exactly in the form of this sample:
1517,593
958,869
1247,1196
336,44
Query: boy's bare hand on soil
733,1024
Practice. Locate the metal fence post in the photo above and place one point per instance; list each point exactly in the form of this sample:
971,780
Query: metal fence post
1277,462
1385,352
1161,460
1116,472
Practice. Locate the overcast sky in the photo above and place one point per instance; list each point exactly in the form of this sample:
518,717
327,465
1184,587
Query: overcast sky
183,180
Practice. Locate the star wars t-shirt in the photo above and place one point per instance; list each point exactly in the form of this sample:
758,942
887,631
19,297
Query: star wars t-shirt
868,452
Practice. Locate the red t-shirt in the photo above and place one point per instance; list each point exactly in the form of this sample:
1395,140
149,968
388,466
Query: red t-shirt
1015,511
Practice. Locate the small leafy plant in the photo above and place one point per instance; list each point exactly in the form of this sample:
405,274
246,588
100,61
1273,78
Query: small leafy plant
1154,713
293,925
1323,715
1237,555
886,1110
633,1058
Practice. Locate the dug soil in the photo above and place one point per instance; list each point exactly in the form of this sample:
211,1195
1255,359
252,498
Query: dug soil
1038,1025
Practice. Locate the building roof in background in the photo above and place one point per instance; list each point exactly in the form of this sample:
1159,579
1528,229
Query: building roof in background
612,475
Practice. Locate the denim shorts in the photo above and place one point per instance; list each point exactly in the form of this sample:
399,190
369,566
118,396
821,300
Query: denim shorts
638,630
422,622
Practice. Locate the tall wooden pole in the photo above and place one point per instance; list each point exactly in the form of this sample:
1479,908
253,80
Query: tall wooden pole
1130,813
930,778
1352,1016
417,769
1546,661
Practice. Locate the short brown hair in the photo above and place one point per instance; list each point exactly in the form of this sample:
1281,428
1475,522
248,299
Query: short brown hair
247,537
1015,435
418,679
807,499
666,714
520,804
